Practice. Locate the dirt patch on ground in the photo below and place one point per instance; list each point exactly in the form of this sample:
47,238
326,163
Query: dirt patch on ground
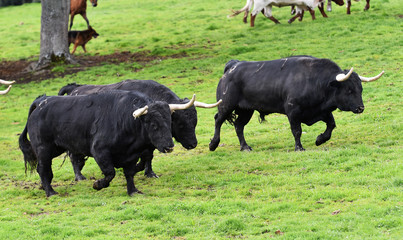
17,70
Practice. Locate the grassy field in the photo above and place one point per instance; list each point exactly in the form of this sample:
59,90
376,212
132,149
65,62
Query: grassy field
350,187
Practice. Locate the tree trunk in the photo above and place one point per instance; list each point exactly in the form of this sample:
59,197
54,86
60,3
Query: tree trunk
54,33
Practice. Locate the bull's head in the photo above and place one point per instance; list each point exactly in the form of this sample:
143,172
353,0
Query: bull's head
184,123
172,107
6,83
349,93
157,121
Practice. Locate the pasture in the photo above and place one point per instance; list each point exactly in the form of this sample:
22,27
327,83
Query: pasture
350,187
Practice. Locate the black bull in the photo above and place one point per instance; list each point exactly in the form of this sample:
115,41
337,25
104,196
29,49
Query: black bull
113,127
183,122
304,88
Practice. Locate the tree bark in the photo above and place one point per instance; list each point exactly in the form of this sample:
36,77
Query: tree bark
54,33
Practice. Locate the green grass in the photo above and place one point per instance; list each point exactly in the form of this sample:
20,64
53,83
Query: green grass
226,193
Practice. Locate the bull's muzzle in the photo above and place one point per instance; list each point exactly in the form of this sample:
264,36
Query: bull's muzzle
168,150
360,109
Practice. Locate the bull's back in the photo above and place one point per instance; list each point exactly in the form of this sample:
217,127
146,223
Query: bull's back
154,90
267,86
63,123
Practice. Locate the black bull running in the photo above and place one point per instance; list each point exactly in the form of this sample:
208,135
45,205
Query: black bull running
114,127
304,88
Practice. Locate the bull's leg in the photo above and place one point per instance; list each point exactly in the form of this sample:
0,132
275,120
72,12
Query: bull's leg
330,125
252,20
78,162
321,9
267,13
105,164
366,6
129,172
302,16
293,10
274,20
220,118
329,5
145,164
296,131
348,6
299,14
312,12
86,19
245,16
44,170
243,118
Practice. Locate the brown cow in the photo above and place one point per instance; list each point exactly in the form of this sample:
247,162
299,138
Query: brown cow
80,7
6,83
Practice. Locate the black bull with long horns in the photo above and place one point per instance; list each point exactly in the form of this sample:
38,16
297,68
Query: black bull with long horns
183,122
114,127
304,88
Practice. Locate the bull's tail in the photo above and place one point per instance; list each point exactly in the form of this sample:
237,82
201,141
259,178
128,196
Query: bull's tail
68,89
246,8
30,158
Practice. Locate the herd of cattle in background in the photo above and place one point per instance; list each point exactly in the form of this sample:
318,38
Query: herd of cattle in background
121,124
297,8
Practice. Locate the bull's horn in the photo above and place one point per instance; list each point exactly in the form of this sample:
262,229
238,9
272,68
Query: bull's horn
6,82
5,91
343,77
187,105
140,111
206,105
365,79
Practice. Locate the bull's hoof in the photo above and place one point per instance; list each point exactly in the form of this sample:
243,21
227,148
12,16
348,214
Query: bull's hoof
98,185
136,191
299,149
151,175
246,148
80,178
320,140
51,193
213,145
